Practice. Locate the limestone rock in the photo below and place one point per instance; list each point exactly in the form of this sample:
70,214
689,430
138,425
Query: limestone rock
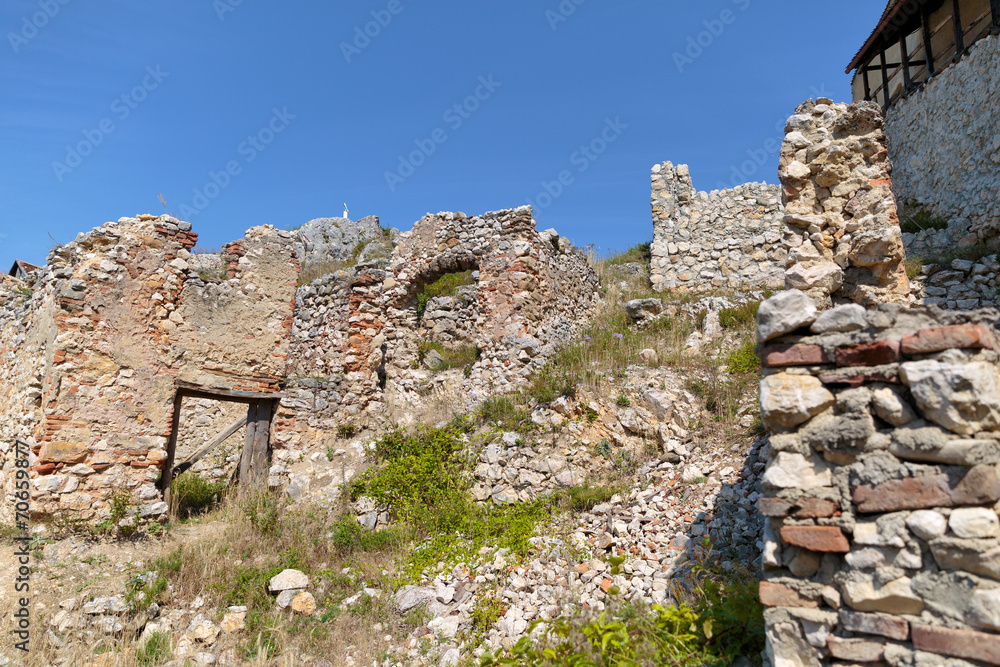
984,609
964,398
822,278
849,317
287,580
795,471
789,400
927,524
891,407
895,597
784,313
974,523
304,604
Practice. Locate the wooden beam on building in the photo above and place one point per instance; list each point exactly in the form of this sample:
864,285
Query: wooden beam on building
175,423
215,442
868,88
995,10
198,391
956,19
925,27
246,455
254,461
885,79
905,57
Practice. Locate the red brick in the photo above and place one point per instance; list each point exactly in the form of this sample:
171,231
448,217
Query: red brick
911,493
43,469
868,354
63,452
957,643
937,339
779,595
880,182
775,506
829,539
816,508
892,627
859,650
792,355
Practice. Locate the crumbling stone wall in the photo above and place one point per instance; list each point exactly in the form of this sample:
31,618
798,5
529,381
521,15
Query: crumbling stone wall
357,331
944,141
93,361
707,241
882,541
842,228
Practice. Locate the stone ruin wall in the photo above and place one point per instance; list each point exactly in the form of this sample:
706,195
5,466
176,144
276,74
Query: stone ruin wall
109,327
532,293
881,537
946,150
882,542
711,241
842,228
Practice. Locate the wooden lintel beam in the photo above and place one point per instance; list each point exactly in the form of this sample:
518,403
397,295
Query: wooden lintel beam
925,26
198,391
956,18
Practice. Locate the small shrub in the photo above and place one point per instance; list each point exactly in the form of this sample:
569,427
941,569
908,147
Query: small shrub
446,285
351,537
589,413
451,357
193,494
486,611
585,498
743,359
155,650
742,315
918,219
623,401
503,412
640,253
346,431
552,382
329,453
603,448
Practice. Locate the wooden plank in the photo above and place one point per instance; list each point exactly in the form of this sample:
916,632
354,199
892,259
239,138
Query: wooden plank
868,88
885,80
248,445
215,442
175,422
259,454
905,57
995,10
925,22
956,19
197,391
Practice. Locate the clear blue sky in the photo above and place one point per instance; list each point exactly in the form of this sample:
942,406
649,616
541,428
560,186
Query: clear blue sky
155,96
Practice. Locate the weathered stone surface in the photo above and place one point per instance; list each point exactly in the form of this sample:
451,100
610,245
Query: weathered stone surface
894,597
788,400
875,624
859,650
961,397
784,313
304,604
288,580
927,524
779,595
816,538
849,317
980,557
967,644
794,471
787,648
890,406
954,452
822,278
974,523
63,452
641,309
984,609
956,337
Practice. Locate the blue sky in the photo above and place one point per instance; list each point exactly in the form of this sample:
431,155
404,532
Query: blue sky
243,112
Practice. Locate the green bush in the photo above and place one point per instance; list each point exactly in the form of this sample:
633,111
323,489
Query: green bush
743,359
721,620
463,356
504,413
918,219
446,285
584,498
193,494
155,650
742,315
349,537
641,253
